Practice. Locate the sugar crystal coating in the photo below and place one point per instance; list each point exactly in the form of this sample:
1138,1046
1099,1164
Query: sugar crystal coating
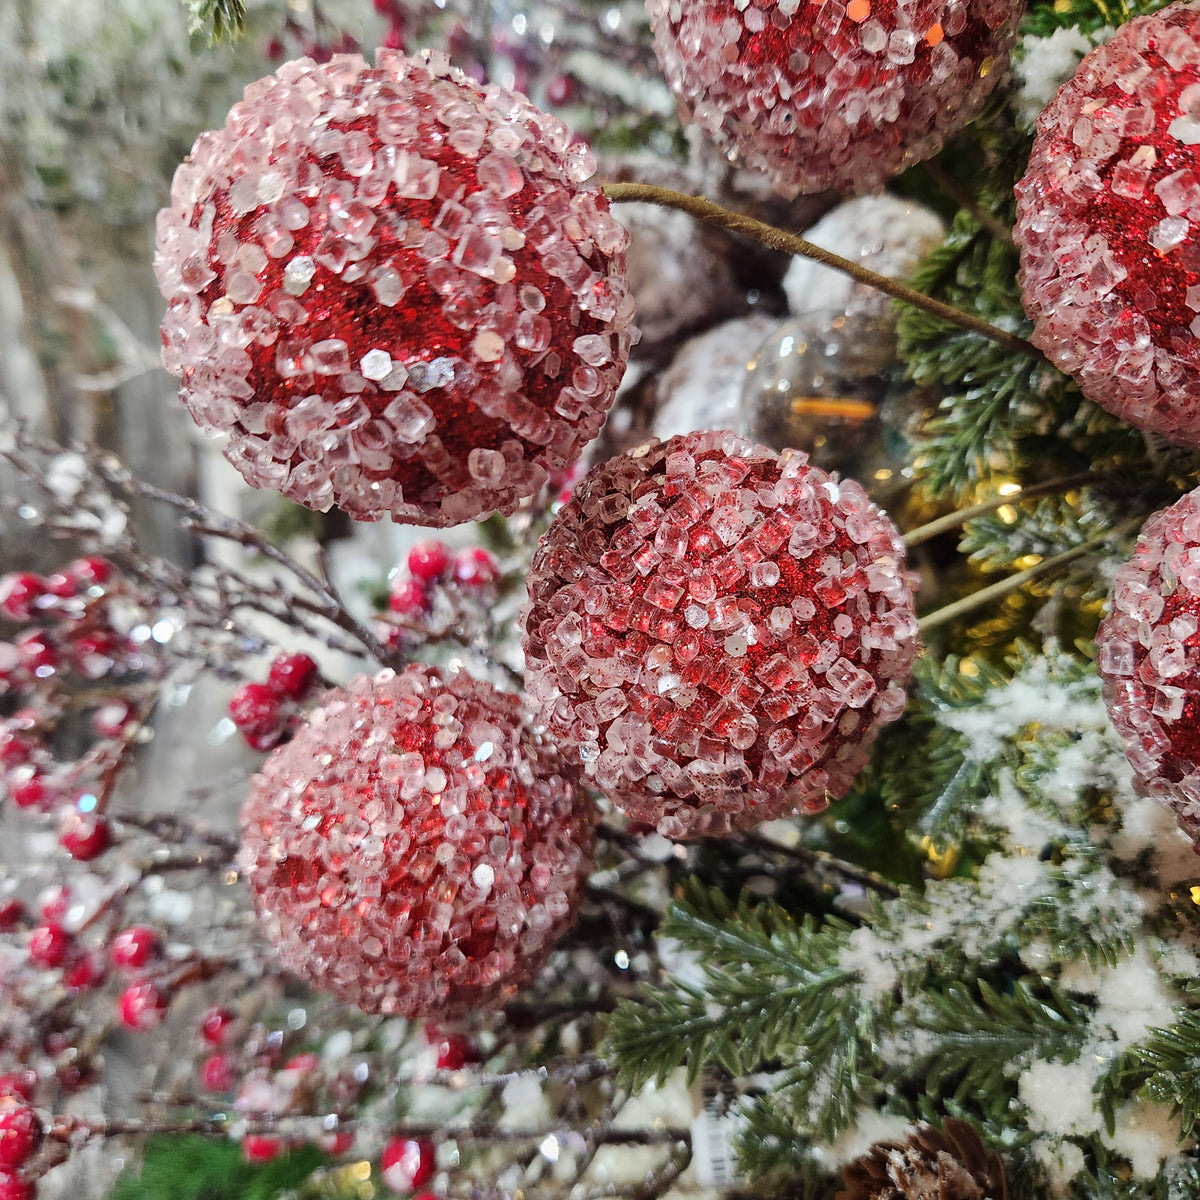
416,848
1148,654
389,287
842,95
1109,225
719,631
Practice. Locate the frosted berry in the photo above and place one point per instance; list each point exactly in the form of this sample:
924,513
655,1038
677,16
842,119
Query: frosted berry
21,1083
453,1050
134,947
37,653
293,676
257,1148
85,972
111,720
29,790
84,836
475,567
16,1187
60,585
256,710
718,631
90,571
1148,654
19,594
1108,214
54,903
48,945
20,1132
94,654
215,1025
217,1074
408,599
428,561
407,1163
416,848
831,95
12,914
142,1005
416,307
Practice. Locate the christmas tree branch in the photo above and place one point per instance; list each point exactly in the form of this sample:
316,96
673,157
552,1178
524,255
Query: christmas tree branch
790,243
968,604
940,525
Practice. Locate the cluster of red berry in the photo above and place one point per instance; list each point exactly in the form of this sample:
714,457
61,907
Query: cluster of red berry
20,1135
266,713
430,590
84,645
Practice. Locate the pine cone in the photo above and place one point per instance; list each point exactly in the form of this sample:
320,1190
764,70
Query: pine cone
930,1164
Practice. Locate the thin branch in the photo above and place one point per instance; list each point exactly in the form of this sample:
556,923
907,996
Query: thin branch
790,243
1005,587
940,525
958,194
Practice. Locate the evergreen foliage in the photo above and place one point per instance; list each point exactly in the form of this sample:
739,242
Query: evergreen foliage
219,20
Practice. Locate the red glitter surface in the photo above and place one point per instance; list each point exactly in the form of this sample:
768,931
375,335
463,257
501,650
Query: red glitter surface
426,893
1148,654
821,97
502,272
742,692
1102,275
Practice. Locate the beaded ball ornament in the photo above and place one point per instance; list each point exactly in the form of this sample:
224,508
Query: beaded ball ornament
416,848
719,631
1109,225
389,287
835,95
1148,654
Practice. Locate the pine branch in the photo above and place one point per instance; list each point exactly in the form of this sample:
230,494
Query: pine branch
771,985
219,20
1049,16
1173,1057
980,1039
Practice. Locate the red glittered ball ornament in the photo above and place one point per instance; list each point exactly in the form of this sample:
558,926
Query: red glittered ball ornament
834,95
1107,225
1148,654
416,848
719,631
389,287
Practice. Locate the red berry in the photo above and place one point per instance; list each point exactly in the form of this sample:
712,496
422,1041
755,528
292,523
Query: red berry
134,947
12,913
275,49
54,902
16,1187
20,1132
18,1083
216,1073
476,567
91,570
94,655
292,676
48,945
86,972
214,1025
263,743
336,1143
409,599
407,1163
302,1064
561,89
427,561
388,8
29,790
37,653
454,1050
15,748
112,719
84,836
19,594
60,585
142,1005
255,710
394,39
259,1149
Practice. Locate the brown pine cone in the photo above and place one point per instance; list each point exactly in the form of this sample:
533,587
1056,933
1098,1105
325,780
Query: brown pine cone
930,1164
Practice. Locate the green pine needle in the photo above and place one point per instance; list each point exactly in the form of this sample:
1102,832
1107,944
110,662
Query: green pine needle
220,20
1048,16
1173,1057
